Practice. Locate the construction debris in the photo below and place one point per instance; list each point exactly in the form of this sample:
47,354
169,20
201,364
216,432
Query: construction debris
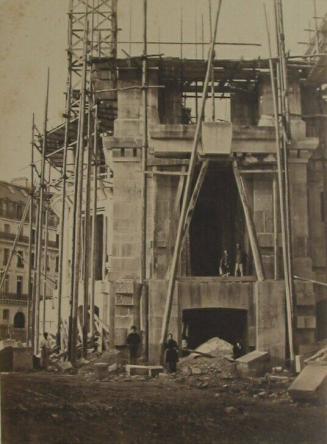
319,357
219,365
15,357
311,384
148,370
255,363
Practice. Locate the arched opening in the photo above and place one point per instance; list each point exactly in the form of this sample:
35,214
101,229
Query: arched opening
200,325
19,320
217,223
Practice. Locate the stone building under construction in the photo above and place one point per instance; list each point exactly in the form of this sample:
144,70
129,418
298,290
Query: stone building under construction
148,113
205,304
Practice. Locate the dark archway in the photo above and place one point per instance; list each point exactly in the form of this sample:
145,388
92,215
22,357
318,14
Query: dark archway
217,222
206,323
19,320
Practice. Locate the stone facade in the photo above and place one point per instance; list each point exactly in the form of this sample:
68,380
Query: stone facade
170,142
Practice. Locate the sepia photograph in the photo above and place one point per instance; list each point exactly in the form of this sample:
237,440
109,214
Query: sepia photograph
163,221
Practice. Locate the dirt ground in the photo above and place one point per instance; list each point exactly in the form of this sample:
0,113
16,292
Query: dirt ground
65,409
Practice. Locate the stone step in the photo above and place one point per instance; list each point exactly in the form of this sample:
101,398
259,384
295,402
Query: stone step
149,370
311,384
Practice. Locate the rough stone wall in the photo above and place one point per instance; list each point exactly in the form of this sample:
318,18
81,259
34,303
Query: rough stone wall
270,319
196,293
165,224
263,220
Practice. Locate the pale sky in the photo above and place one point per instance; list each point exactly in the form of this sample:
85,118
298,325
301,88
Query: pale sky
33,36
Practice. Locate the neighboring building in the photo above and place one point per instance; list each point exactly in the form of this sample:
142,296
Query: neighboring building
14,293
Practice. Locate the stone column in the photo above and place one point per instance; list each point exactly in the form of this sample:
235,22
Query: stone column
298,179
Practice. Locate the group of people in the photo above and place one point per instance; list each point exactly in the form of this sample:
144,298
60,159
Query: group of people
225,268
172,351
133,342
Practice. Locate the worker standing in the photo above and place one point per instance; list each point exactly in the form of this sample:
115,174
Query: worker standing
133,341
238,261
45,350
224,265
171,357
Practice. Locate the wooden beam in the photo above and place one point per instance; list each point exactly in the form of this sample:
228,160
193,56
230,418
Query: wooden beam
194,198
192,163
249,223
275,216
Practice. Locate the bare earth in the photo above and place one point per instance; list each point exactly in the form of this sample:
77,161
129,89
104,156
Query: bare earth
48,408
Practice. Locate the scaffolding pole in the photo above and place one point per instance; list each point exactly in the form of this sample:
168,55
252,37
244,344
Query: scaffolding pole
30,240
145,142
94,219
78,191
188,185
64,184
249,222
275,216
282,203
284,113
40,223
45,262
143,271
213,107
86,263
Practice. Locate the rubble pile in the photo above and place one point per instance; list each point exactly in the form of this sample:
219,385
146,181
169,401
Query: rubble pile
101,366
213,360
318,358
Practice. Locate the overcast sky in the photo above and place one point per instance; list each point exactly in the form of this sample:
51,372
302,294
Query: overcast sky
33,36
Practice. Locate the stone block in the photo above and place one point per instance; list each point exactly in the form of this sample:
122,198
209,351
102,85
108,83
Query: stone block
126,265
101,370
124,299
255,363
216,138
123,322
120,336
311,384
300,246
270,319
144,370
265,240
22,359
121,310
302,266
306,322
259,223
304,294
125,286
269,222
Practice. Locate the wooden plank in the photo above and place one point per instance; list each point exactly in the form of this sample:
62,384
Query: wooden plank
249,223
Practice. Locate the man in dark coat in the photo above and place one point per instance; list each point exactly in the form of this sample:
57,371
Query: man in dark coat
171,357
224,264
133,341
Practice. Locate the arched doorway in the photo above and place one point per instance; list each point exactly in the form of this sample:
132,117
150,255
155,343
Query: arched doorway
19,320
203,324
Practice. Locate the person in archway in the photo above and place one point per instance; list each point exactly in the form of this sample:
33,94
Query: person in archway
238,349
45,350
239,259
171,353
224,264
133,341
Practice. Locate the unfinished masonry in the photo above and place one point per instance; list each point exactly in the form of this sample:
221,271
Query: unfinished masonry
165,163
206,305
